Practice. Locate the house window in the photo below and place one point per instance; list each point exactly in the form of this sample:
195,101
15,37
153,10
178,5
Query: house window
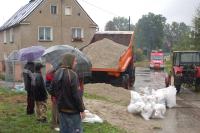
77,34
4,37
68,10
45,34
11,36
53,9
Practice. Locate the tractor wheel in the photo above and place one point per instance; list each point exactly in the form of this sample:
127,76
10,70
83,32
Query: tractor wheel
178,88
177,84
197,85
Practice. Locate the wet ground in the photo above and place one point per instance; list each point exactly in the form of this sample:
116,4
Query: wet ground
185,117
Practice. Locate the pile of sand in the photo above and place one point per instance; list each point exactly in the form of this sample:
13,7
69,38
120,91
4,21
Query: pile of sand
104,53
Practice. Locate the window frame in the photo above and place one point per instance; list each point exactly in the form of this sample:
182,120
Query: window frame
44,33
75,36
51,7
70,10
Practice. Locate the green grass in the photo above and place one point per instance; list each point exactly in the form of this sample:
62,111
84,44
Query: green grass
13,118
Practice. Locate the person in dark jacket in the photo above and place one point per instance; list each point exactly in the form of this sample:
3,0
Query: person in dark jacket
29,67
69,102
40,94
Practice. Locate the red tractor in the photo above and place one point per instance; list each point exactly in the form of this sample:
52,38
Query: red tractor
185,69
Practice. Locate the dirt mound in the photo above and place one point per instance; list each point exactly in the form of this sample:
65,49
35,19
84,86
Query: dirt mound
104,53
113,94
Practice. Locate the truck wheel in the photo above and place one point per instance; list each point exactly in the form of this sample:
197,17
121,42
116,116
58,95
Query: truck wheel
126,82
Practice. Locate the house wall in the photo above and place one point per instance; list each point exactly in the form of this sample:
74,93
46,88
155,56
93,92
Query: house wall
26,34
60,23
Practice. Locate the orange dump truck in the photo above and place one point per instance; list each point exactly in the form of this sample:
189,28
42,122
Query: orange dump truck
123,74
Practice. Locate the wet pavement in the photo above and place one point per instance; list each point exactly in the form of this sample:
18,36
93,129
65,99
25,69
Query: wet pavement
185,117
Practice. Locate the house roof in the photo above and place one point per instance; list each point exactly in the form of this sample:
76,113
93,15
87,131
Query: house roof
26,10
21,14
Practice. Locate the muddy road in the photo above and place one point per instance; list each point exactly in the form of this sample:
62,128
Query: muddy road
112,103
185,117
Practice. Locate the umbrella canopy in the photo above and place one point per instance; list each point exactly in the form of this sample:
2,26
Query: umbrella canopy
31,53
53,55
14,55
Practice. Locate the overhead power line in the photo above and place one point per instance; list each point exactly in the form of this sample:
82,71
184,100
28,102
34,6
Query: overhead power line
104,10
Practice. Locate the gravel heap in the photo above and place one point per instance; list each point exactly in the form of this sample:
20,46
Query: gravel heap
104,53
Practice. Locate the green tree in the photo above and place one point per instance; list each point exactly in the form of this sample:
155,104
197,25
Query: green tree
149,32
196,23
119,24
177,36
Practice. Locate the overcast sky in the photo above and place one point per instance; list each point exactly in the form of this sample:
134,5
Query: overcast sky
101,11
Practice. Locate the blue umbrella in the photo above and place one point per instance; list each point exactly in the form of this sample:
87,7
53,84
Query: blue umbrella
31,53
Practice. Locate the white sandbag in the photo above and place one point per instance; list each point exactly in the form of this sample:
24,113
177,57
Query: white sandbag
146,90
160,96
91,118
159,111
135,107
147,111
171,96
88,114
135,97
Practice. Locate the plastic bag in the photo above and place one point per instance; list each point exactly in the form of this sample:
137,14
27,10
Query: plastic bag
136,107
171,96
159,111
147,111
135,97
91,118
160,96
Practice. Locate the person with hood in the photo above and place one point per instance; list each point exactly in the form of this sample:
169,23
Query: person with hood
65,87
29,68
40,94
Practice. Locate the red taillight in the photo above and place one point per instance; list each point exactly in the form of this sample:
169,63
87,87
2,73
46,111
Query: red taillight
178,73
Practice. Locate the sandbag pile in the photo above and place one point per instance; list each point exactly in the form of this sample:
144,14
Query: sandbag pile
152,103
104,53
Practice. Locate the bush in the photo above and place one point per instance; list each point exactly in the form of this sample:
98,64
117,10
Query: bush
139,54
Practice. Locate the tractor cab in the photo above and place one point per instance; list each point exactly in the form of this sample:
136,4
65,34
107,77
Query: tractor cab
185,69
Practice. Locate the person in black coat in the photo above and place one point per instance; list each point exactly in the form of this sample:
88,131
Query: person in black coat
40,93
65,87
29,67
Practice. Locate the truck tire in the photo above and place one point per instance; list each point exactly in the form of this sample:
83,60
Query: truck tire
126,82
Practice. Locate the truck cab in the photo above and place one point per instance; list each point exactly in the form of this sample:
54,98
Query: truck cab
156,60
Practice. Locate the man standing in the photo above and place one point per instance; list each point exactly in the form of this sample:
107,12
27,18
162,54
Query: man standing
29,67
69,102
